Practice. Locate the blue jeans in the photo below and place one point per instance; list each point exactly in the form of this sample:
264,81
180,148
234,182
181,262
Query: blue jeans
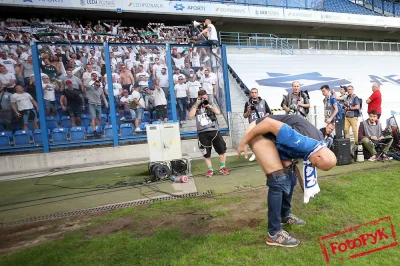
280,192
182,107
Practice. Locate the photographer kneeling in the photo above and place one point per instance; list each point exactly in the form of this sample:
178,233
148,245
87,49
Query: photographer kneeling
208,132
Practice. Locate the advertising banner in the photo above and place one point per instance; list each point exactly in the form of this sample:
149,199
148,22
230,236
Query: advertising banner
189,8
229,10
266,12
44,3
301,15
98,4
156,6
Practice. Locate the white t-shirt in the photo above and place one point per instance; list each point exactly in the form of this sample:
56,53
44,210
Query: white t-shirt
208,83
164,83
195,60
193,88
159,97
144,75
212,33
49,93
23,101
129,63
138,96
116,89
23,57
5,78
179,62
9,64
86,76
125,99
181,90
177,76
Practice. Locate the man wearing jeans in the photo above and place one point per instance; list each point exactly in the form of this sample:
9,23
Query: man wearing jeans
276,140
351,111
137,105
95,94
182,99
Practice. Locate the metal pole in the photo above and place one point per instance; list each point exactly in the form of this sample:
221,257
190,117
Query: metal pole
40,99
226,79
315,115
256,41
238,37
111,103
171,82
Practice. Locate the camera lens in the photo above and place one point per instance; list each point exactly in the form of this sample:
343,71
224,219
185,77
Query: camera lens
205,102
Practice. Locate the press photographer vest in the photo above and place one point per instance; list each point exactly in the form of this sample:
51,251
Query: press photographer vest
329,109
349,102
260,110
293,100
372,130
203,122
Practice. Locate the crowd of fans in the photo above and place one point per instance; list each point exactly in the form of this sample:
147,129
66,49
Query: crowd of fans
74,79
77,31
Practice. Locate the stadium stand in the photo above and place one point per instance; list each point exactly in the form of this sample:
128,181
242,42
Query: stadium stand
345,6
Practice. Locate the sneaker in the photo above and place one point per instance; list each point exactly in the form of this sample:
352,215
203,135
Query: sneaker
209,173
252,158
122,119
291,219
387,158
224,171
282,239
137,129
372,159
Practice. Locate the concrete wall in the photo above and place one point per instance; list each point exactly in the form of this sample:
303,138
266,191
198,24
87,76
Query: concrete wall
33,163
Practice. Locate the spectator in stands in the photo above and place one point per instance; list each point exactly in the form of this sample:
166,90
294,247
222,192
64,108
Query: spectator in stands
124,104
375,100
182,99
208,132
327,133
193,89
149,103
31,87
186,69
24,107
157,67
194,60
255,108
87,75
142,77
297,102
21,55
72,102
49,96
163,81
160,102
209,84
7,62
95,66
370,134
61,56
95,95
137,109
351,111
127,79
332,111
7,79
77,83
49,69
179,61
177,74
28,70
5,107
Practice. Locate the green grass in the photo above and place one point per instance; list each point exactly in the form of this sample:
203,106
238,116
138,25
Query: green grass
344,201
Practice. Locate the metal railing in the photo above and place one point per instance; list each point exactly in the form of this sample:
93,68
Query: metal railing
343,45
257,41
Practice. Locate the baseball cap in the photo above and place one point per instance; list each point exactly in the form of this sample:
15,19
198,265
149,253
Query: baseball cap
191,75
68,82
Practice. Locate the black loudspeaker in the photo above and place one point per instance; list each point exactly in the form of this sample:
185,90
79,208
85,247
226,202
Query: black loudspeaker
342,150
180,166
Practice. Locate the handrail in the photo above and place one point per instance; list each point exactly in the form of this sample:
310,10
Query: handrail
256,40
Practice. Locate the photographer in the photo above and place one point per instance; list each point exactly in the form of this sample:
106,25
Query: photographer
297,102
208,132
255,108
332,112
351,112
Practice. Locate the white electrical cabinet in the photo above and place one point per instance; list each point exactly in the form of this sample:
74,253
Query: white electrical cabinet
164,142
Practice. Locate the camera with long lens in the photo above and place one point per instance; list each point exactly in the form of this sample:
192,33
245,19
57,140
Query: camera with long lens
293,109
209,113
253,105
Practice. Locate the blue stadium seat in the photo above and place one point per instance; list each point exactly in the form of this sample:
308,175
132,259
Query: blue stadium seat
103,119
61,112
157,122
51,122
108,131
22,137
146,116
142,126
85,118
66,122
5,138
77,133
37,135
99,130
105,110
126,130
345,6
60,134
118,117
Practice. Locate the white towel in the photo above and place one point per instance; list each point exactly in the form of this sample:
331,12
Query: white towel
310,182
